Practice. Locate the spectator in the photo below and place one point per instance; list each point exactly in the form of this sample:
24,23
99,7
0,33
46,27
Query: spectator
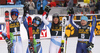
52,4
35,4
92,7
31,7
61,4
74,5
18,2
10,2
58,5
86,9
98,6
70,4
41,6
66,3
79,6
26,2
49,2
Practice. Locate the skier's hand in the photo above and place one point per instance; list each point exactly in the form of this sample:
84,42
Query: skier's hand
70,11
31,48
9,44
47,9
26,9
90,46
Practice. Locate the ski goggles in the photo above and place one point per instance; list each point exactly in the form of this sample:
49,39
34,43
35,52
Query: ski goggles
14,13
36,21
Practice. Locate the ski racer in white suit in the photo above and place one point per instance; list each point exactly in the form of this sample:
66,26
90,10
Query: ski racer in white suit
14,25
55,29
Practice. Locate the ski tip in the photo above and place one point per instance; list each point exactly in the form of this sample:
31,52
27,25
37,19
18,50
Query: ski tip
29,18
7,14
62,41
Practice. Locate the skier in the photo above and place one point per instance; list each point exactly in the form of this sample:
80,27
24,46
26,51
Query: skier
15,30
55,29
83,45
37,26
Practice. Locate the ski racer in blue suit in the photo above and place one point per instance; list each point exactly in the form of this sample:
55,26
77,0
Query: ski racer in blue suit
36,28
84,32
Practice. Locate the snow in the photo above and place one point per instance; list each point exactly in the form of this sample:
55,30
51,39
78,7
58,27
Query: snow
71,45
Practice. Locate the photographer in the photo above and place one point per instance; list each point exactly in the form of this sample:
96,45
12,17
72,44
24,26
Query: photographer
31,7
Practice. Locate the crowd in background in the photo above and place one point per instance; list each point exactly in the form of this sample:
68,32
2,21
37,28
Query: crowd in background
91,8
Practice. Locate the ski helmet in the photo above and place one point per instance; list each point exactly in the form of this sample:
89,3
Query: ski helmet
14,12
37,20
56,15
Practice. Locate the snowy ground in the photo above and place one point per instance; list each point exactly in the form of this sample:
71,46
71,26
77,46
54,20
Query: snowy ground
71,47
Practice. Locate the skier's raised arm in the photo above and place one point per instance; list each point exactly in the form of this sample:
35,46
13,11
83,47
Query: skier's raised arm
73,23
71,16
91,44
25,16
25,24
45,14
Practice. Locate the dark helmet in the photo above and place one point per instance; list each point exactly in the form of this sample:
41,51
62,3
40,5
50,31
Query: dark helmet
56,15
37,20
14,12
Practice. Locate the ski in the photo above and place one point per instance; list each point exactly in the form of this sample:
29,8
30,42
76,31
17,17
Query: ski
7,27
63,35
7,23
92,30
31,48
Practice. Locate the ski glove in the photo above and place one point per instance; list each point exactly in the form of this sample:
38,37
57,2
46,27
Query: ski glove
70,11
90,46
9,44
47,9
26,9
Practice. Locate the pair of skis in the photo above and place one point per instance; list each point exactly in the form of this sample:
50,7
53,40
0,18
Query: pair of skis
92,30
31,48
7,27
64,38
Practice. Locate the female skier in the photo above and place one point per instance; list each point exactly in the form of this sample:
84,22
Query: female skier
84,31
37,26
55,29
14,25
